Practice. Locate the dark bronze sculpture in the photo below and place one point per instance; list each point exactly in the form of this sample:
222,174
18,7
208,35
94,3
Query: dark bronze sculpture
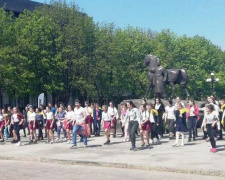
159,77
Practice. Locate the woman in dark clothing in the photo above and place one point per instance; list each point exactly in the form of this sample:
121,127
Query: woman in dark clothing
180,126
159,106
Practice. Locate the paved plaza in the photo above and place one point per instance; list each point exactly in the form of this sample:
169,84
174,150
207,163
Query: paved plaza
193,158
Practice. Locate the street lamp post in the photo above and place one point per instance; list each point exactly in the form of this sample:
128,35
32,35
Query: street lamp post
213,80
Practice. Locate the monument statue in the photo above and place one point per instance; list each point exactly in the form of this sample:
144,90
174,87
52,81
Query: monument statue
159,77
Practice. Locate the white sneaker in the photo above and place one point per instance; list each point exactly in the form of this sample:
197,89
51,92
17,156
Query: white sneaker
158,141
18,144
57,139
68,142
151,141
160,137
182,144
52,142
65,139
175,144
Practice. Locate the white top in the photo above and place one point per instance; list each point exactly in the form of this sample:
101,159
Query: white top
170,111
15,118
133,115
210,118
79,114
113,112
49,115
88,110
192,110
31,116
106,116
70,115
1,117
157,106
123,118
144,116
151,118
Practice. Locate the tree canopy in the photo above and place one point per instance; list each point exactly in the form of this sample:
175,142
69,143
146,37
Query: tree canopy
60,50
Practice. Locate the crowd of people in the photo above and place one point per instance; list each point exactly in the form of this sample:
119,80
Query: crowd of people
150,121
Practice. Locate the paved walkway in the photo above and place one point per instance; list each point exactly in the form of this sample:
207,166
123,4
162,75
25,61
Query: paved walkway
38,170
193,158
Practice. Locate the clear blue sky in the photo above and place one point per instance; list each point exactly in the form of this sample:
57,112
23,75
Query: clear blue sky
190,17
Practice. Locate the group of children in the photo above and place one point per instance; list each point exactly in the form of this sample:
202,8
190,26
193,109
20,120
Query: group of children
149,120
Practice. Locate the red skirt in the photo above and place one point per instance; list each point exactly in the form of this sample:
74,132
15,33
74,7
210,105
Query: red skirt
89,119
69,126
107,125
48,124
2,124
32,125
146,126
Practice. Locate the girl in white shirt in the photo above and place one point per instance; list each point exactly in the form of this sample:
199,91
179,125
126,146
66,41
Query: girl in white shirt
170,118
31,117
106,120
125,122
134,121
2,125
70,116
49,125
145,125
89,119
114,115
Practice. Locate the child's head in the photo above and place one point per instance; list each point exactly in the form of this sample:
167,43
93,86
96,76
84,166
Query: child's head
105,108
150,106
179,106
143,107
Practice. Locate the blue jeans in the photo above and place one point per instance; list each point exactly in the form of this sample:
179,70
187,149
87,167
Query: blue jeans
97,126
59,131
6,132
192,126
76,128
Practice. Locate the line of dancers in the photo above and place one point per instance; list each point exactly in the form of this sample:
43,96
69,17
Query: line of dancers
149,120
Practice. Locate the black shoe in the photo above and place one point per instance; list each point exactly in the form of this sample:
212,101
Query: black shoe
220,138
96,135
204,137
189,140
107,142
194,139
2,140
133,149
14,141
114,136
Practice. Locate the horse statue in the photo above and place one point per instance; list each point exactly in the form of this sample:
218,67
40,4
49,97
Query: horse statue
168,77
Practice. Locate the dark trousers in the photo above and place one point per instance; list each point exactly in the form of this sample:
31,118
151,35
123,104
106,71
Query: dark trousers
16,127
97,126
221,130
133,125
211,132
40,126
122,128
192,126
160,128
154,133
